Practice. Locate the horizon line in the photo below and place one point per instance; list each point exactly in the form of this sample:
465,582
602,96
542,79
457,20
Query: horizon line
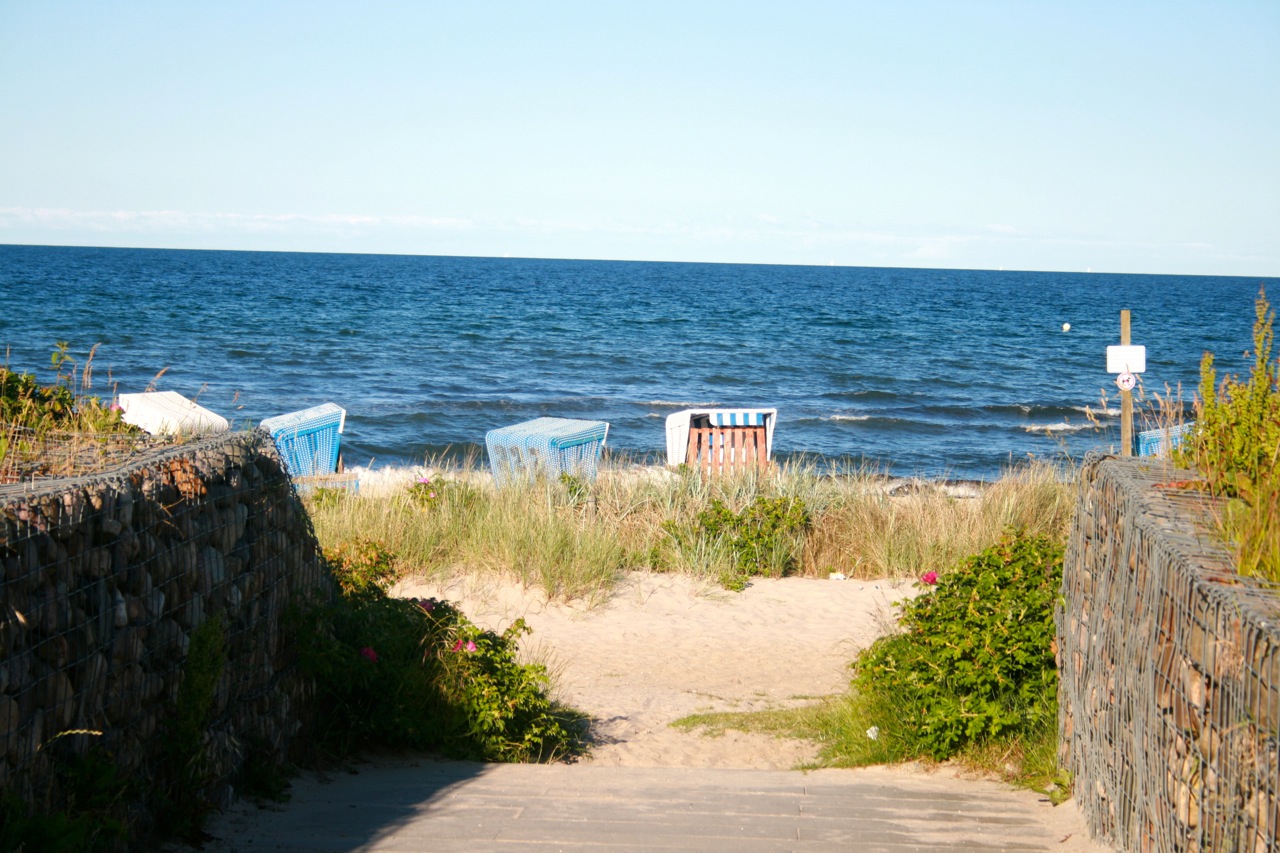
506,257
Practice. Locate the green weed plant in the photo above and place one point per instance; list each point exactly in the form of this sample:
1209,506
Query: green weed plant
1235,446
35,417
186,770
66,404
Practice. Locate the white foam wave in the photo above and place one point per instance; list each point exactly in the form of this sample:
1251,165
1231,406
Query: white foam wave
851,418
1094,410
678,404
1062,427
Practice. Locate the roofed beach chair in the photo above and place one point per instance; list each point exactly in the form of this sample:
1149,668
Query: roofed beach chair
1161,442
545,446
169,413
720,441
310,442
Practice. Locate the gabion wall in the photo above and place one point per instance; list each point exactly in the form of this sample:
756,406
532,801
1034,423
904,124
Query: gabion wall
103,581
1170,670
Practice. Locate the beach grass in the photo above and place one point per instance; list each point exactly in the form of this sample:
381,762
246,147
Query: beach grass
575,539
838,724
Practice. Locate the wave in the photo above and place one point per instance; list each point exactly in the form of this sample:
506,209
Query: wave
1060,427
848,418
679,405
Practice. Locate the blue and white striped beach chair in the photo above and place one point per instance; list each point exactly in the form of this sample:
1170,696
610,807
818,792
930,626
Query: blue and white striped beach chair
1161,442
721,440
310,440
547,446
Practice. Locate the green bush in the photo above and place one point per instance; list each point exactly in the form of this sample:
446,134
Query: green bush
34,417
1235,446
94,817
64,405
764,538
418,674
361,565
975,659
1236,440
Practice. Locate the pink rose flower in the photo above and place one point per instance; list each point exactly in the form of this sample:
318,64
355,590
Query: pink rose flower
471,647
930,578
370,654
457,647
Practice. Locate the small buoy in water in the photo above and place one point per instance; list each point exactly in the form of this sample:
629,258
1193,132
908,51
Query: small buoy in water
1066,327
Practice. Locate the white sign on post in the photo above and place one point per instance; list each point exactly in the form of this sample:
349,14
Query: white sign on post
1126,359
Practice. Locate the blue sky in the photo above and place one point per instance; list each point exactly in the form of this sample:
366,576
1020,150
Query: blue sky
1117,136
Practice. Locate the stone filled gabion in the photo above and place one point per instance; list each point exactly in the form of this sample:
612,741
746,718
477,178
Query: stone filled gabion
103,579
1170,669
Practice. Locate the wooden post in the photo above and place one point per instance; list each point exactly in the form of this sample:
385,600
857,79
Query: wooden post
1126,397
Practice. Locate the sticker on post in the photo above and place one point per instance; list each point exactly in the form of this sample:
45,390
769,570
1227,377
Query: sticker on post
1126,381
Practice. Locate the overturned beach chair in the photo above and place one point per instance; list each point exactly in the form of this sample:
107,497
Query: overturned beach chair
719,441
546,446
1161,442
169,413
310,440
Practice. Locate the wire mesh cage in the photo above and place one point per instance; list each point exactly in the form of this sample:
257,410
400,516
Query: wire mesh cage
1169,666
107,581
28,455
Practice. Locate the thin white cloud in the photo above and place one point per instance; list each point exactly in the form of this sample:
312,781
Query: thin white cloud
155,221
748,237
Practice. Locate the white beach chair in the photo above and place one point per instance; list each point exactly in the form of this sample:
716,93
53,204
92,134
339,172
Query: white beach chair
169,413
719,441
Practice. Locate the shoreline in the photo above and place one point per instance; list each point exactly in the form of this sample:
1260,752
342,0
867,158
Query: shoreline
383,480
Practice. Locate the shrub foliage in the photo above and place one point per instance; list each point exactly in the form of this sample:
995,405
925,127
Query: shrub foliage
1235,446
975,658
418,674
765,537
64,405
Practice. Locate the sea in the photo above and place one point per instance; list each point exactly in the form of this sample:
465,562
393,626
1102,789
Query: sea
943,374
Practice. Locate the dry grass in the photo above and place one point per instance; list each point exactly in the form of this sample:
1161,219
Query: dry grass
575,540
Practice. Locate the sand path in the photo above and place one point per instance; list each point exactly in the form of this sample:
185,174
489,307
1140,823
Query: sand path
665,646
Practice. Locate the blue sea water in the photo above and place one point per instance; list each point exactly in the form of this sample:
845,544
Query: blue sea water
938,373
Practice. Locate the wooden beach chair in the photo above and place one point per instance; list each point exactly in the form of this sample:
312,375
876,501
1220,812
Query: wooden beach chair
721,441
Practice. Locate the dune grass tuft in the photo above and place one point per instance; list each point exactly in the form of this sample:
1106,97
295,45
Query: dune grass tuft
575,539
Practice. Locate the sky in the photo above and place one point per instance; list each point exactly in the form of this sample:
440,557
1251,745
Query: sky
1107,136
